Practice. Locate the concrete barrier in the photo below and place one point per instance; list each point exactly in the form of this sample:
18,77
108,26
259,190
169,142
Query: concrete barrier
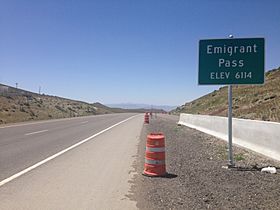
260,136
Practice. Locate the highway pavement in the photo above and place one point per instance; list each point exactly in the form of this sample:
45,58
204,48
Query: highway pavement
84,163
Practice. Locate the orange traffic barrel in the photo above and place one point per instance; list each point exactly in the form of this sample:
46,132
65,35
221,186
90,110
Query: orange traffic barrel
155,155
146,118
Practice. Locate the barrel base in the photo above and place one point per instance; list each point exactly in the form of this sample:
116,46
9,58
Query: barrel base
153,174
154,170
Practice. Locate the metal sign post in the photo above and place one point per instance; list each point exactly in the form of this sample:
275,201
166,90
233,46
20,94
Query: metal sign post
230,155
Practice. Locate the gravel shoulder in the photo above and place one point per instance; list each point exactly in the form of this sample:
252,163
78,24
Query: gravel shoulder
198,179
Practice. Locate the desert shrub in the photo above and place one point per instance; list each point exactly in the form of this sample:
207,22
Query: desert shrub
72,110
9,97
32,113
59,108
22,109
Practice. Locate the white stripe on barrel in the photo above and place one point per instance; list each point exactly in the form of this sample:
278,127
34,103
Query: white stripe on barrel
155,149
154,162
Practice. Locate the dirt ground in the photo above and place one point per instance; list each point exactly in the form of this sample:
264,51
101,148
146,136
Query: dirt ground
197,177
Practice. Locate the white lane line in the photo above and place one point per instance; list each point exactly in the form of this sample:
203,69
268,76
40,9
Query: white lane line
27,134
45,121
35,123
83,122
5,181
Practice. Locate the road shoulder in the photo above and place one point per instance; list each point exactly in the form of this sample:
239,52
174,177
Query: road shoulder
199,179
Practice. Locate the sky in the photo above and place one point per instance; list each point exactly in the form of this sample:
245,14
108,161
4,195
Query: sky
120,51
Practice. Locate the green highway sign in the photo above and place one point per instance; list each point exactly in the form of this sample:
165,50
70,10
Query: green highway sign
231,61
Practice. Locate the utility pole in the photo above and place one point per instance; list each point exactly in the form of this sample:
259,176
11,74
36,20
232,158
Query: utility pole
39,90
16,85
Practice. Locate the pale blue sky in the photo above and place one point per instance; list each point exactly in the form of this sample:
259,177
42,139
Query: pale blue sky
118,51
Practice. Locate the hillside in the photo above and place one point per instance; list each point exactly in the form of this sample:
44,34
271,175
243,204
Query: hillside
18,105
259,102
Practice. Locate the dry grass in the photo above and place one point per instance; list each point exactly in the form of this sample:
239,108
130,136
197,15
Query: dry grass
18,108
260,102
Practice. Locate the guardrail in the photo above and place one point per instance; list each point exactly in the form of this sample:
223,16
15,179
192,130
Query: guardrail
260,136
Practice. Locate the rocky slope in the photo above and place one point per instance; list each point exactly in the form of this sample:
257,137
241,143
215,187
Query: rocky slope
18,105
260,102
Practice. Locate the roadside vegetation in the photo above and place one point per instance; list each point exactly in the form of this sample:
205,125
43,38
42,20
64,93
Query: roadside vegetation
26,106
257,102
17,105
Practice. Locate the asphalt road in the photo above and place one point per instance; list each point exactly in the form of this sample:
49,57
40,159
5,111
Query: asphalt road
22,145
94,175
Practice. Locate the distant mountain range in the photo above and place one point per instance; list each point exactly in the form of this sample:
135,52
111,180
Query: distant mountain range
141,106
